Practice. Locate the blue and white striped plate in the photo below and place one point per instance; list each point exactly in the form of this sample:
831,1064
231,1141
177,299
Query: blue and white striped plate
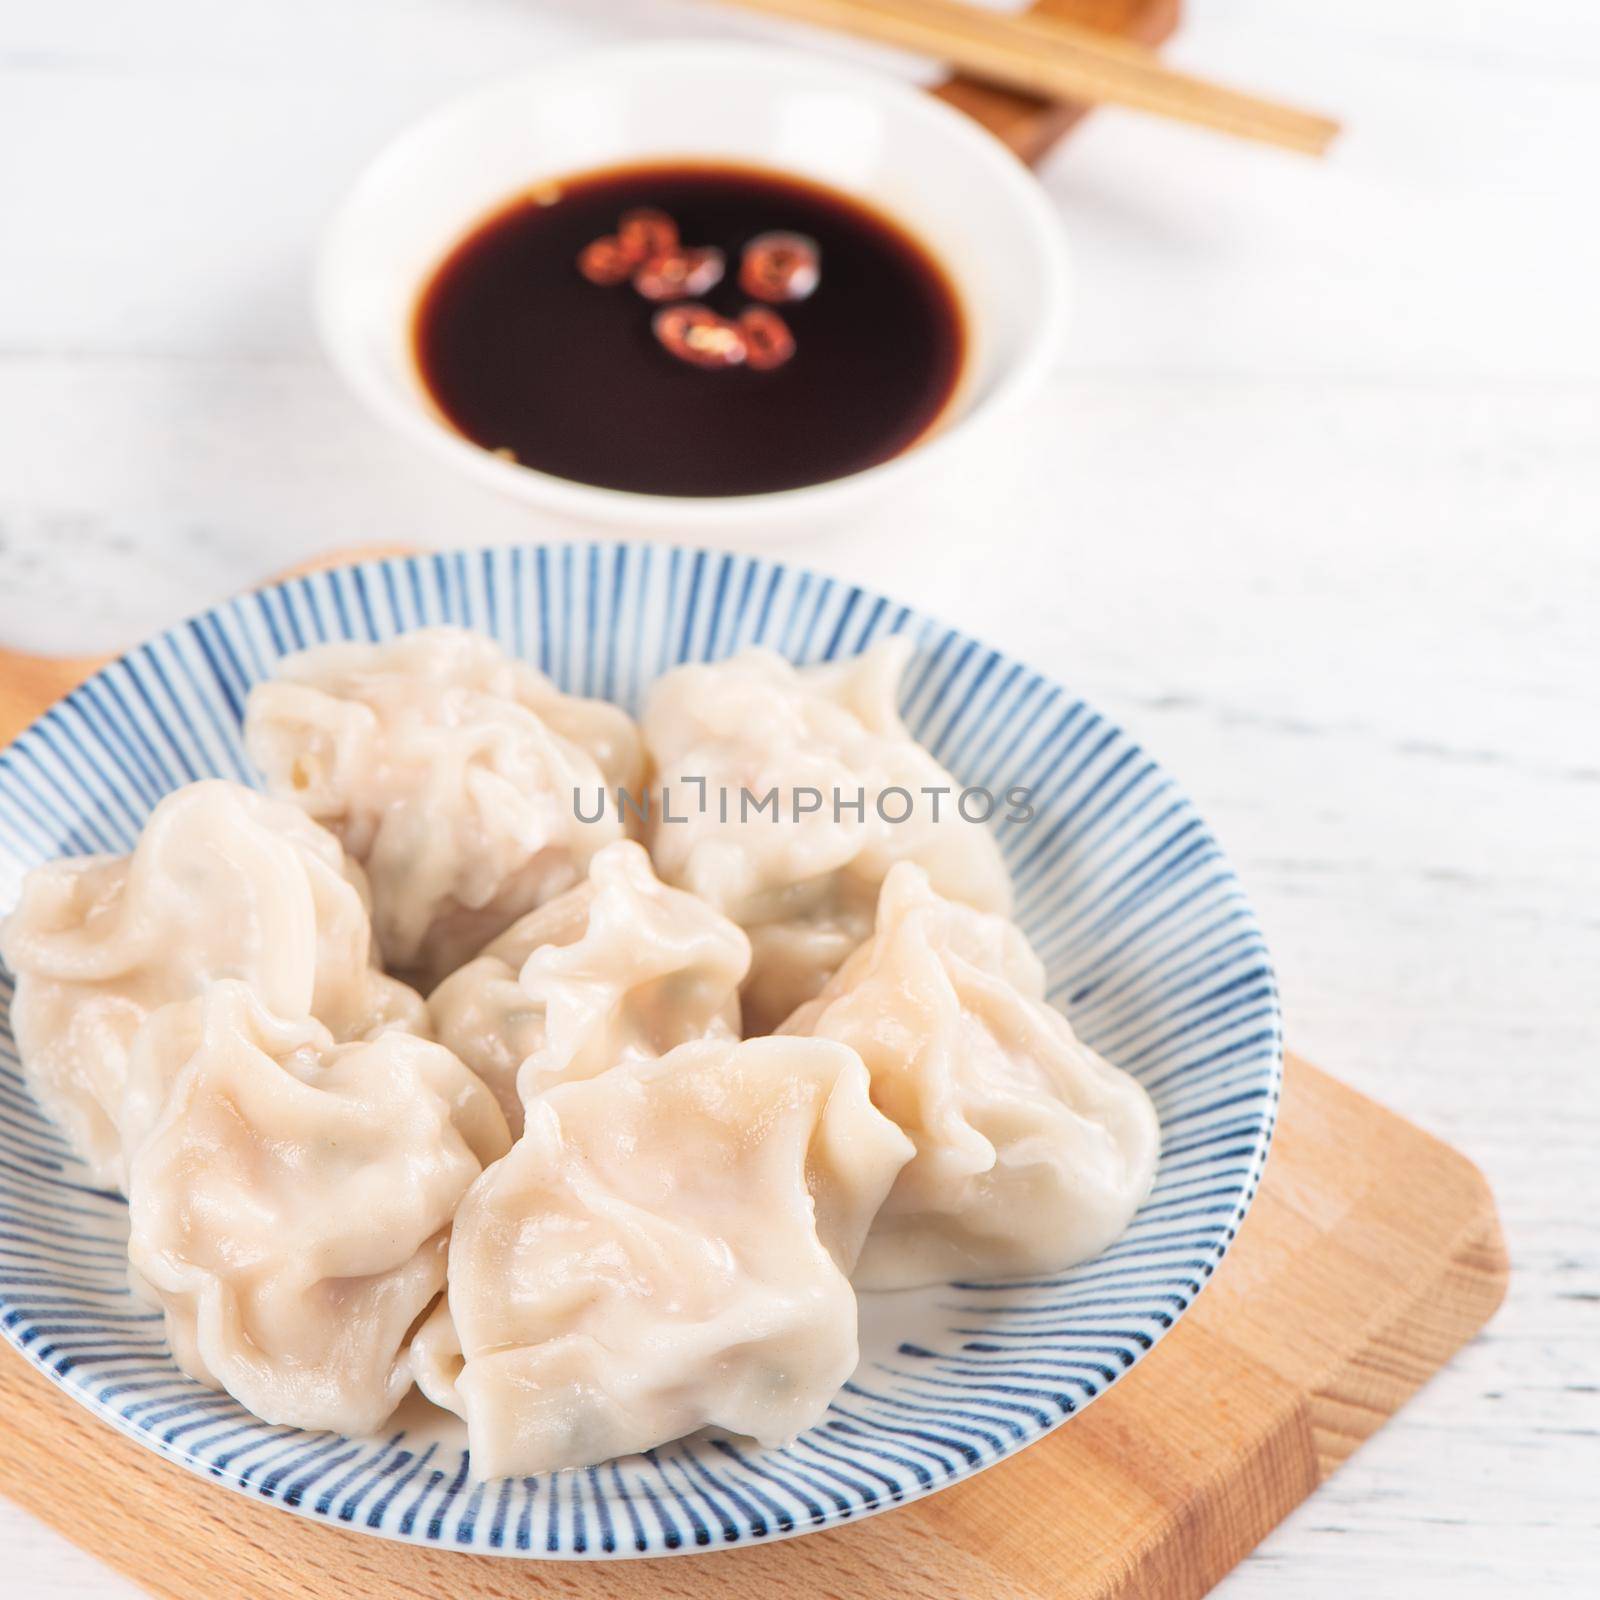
1148,940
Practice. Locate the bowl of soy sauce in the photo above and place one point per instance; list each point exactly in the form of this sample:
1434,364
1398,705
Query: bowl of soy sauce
688,286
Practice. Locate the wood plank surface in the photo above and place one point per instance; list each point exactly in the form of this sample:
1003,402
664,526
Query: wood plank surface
1372,1252
1302,408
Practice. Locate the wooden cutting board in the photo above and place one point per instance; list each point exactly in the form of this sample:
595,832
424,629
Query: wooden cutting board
1371,1254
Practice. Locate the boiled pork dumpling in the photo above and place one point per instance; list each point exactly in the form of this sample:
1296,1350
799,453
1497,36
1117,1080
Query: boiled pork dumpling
290,1208
454,774
621,968
1032,1152
224,883
803,888
794,953
666,1247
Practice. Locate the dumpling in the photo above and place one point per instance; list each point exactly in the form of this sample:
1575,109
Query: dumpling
795,953
803,885
1032,1152
666,1247
290,1208
224,883
621,968
452,773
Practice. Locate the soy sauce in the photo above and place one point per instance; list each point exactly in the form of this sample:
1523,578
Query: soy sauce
526,357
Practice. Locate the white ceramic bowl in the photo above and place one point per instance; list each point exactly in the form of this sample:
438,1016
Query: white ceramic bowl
932,169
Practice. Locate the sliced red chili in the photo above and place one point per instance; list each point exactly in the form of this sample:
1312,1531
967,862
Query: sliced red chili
650,232
696,334
780,266
680,274
767,339
608,261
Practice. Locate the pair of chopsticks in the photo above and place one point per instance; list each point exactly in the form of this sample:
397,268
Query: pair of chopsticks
1058,61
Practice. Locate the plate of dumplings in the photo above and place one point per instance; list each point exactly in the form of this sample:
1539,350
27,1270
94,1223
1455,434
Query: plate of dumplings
600,1050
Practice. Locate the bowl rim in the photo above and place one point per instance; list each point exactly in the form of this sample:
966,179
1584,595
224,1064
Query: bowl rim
1017,381
305,588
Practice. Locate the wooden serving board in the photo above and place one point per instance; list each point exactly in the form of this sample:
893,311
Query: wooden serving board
1371,1254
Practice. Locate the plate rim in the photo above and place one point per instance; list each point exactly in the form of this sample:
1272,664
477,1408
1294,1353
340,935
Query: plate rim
1213,1252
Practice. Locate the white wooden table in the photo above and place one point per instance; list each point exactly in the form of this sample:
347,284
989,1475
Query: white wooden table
1313,505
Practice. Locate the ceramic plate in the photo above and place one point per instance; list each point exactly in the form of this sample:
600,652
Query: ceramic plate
1149,944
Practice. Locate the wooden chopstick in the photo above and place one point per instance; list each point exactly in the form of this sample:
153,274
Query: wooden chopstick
1059,61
